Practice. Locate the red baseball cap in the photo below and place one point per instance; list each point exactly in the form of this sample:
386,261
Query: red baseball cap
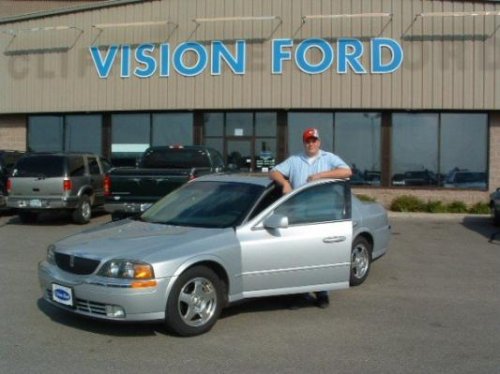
310,133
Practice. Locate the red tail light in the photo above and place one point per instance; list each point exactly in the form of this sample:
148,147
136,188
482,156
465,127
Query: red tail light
67,184
107,185
9,185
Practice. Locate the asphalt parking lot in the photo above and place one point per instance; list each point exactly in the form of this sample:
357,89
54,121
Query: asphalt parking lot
430,305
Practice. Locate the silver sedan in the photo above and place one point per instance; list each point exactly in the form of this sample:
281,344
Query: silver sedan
216,240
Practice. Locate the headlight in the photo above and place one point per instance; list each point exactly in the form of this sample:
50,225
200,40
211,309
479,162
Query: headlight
127,269
51,254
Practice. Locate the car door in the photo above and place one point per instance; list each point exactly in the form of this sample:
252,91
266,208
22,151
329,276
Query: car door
308,251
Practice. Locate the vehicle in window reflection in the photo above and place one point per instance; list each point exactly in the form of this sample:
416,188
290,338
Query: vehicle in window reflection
216,240
415,178
466,179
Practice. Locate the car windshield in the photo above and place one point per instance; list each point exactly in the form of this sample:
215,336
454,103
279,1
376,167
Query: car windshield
41,166
205,204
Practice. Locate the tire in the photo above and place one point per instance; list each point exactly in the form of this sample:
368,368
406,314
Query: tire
195,302
28,217
83,212
361,259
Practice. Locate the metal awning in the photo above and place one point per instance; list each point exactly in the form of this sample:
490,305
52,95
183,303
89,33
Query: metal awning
345,16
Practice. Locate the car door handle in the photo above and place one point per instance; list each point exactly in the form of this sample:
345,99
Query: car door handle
334,239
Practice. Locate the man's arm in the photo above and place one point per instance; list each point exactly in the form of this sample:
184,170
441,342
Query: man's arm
337,173
279,178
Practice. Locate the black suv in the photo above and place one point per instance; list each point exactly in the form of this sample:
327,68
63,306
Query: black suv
57,181
7,161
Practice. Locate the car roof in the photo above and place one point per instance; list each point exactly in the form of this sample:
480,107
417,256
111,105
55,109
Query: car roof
257,179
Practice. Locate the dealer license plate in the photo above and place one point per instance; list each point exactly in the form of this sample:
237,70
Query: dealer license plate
62,295
35,203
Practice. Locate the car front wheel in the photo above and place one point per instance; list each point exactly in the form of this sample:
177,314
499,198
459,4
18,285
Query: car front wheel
195,302
360,260
83,212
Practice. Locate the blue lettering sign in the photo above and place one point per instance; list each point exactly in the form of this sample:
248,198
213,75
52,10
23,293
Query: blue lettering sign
221,52
326,60
164,60
377,46
201,59
278,54
145,59
103,67
350,52
126,56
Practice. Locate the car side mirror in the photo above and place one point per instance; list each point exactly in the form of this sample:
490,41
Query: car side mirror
276,221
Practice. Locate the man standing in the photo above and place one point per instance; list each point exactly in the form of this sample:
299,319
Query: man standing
308,166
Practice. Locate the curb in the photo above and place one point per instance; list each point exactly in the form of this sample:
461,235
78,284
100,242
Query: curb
438,216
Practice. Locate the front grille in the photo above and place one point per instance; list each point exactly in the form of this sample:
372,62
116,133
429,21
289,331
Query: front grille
75,264
85,306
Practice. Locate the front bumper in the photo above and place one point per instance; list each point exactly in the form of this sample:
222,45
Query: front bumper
128,208
42,203
98,297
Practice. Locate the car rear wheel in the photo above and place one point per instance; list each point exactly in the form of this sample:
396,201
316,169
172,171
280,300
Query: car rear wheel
195,302
28,217
83,212
361,259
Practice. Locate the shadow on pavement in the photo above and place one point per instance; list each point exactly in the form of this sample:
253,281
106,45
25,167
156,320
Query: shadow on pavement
124,329
484,226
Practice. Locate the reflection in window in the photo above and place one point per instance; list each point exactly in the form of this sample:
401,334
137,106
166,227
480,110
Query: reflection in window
45,134
239,124
298,122
448,149
172,128
357,142
321,203
83,133
463,157
130,137
415,149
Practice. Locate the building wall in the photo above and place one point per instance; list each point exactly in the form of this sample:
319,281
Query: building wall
450,62
13,133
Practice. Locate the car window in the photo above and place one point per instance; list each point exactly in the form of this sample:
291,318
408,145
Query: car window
41,166
320,203
270,197
106,165
76,166
93,166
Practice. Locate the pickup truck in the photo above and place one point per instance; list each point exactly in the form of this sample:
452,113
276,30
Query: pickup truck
131,190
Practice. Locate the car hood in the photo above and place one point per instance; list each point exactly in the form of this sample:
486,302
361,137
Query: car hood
144,241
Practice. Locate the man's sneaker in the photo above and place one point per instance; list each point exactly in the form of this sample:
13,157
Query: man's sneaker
322,301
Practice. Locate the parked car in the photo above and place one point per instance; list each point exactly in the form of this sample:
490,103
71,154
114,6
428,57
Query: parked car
57,181
7,161
466,179
495,206
130,191
216,240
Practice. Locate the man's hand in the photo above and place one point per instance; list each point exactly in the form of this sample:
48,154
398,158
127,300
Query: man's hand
287,188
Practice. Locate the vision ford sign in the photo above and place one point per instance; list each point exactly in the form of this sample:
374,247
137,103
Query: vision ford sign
149,59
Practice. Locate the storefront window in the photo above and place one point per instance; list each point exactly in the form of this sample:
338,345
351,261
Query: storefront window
172,128
463,145
357,142
247,140
130,137
83,133
415,149
45,134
